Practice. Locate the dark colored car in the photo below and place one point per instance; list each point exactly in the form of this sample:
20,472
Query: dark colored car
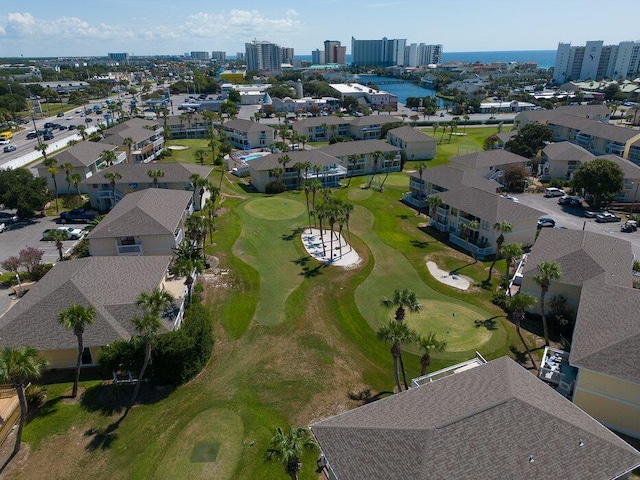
9,148
60,114
87,120
78,215
8,217
72,127
32,135
47,136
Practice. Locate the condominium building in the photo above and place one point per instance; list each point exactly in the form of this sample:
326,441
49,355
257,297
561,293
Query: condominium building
595,60
263,56
377,53
334,52
287,55
200,55
219,57
421,54
317,57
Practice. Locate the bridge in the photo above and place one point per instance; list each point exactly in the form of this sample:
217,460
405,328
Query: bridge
392,82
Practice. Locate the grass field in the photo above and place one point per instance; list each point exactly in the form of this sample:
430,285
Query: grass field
293,340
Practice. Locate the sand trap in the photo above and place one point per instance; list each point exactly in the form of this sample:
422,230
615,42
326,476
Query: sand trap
342,256
452,279
177,147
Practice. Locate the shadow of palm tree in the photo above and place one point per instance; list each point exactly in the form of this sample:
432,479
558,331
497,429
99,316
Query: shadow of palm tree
308,272
419,244
457,270
403,216
489,323
302,260
520,356
364,396
102,438
295,233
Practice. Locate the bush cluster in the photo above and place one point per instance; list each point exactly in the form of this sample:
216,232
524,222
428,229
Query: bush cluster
177,356
275,187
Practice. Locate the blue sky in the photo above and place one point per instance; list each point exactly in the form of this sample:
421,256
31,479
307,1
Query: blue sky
37,28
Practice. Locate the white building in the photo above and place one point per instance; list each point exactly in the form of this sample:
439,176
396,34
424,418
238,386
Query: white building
595,60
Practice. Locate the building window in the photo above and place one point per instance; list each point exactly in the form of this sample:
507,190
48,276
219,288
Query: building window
454,211
127,241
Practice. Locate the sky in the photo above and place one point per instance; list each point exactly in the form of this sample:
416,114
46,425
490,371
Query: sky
53,28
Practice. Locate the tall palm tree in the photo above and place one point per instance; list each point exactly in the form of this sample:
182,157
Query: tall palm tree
83,131
516,308
389,157
108,157
113,178
548,271
509,252
306,187
466,231
429,343
155,175
17,366
315,186
68,168
76,318
128,143
421,168
376,158
58,236
75,179
154,304
52,168
396,334
353,160
199,186
434,203
402,299
288,447
200,155
502,227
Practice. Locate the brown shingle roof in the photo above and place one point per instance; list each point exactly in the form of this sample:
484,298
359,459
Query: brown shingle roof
154,211
358,147
137,173
567,151
454,177
606,338
582,256
630,169
110,285
488,158
410,134
474,424
83,154
374,120
315,157
246,126
488,206
320,120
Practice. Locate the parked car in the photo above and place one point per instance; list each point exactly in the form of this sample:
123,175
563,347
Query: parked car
87,120
8,217
72,127
3,227
69,117
607,217
72,233
47,136
5,142
48,125
629,226
554,192
9,148
593,213
546,222
60,114
78,215
509,197
570,200
31,135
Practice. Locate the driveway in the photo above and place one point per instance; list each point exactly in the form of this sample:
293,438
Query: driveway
573,218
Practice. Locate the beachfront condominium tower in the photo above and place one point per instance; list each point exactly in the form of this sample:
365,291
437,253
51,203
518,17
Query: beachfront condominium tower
263,56
200,55
595,60
377,53
317,57
287,55
334,52
219,57
421,54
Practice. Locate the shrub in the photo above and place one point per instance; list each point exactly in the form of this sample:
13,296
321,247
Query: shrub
636,265
35,394
557,182
500,299
275,187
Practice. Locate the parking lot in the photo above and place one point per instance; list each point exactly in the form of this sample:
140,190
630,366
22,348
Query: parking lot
573,218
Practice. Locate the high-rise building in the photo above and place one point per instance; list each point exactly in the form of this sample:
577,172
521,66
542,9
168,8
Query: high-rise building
200,55
421,54
334,52
287,55
377,53
263,56
219,57
119,57
240,56
595,60
317,57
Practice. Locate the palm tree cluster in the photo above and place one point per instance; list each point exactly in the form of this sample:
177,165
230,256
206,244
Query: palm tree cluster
288,446
333,211
397,333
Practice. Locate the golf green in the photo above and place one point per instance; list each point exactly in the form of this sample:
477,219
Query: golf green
461,327
359,194
274,208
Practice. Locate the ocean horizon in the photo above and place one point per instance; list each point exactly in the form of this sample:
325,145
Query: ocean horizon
544,58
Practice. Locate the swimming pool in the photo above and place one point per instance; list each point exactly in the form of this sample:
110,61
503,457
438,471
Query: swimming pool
252,157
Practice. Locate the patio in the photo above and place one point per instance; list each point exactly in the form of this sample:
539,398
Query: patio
556,370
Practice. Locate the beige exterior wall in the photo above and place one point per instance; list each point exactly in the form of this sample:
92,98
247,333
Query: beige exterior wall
571,292
124,188
150,245
612,401
66,358
424,150
259,179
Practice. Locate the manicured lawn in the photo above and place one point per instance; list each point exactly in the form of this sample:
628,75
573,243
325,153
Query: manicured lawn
293,339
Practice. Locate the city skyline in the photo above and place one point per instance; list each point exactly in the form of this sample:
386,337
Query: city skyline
141,27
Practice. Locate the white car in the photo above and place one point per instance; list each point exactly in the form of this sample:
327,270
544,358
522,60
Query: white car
69,117
73,233
3,227
5,142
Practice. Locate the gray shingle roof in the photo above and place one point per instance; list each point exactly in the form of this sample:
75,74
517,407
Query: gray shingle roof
587,111
247,126
488,158
153,211
582,256
489,206
504,137
321,120
136,133
83,154
410,134
137,173
108,284
474,424
374,120
358,147
315,157
630,169
567,151
606,338
454,177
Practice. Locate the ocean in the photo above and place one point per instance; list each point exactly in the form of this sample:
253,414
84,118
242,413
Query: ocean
544,58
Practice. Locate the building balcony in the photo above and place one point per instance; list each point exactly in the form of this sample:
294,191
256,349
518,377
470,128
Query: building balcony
479,251
132,250
467,222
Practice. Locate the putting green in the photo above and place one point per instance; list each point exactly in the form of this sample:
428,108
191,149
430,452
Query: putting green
209,446
274,208
454,323
359,194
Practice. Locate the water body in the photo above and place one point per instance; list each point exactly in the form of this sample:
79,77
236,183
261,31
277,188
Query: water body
401,90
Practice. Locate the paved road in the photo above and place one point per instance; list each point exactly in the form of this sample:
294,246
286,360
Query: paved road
574,219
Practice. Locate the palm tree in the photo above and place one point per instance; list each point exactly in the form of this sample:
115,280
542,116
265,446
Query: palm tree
429,343
315,186
421,168
518,304
402,299
75,179
502,227
353,160
155,175
307,190
128,142
68,168
58,236
83,131
434,203
154,304
113,178
288,447
509,252
466,230
396,334
17,366
376,157
199,184
108,157
200,155
76,318
548,271
389,157
187,264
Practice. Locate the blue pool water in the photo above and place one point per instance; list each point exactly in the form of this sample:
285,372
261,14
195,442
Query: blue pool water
251,157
